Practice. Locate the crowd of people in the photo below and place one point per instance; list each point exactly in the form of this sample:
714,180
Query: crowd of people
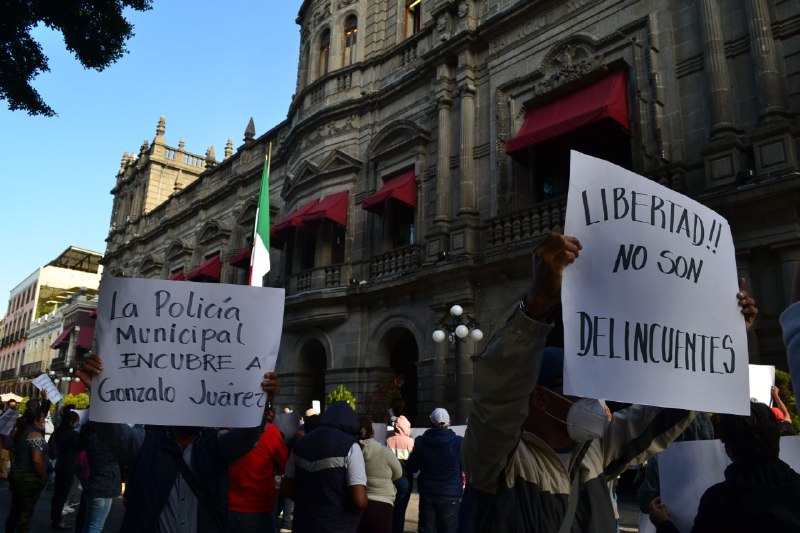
533,458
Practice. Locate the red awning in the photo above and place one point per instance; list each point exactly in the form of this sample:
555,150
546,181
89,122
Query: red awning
292,220
177,276
242,258
63,338
402,188
208,271
333,207
86,337
607,98
279,233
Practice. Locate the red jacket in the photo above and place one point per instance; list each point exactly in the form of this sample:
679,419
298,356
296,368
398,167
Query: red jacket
252,478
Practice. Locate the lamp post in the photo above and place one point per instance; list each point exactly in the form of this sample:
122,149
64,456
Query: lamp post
456,327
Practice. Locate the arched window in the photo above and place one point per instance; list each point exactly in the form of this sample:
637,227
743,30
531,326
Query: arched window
413,16
324,52
349,48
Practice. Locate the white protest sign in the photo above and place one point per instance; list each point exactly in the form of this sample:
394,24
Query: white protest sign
687,469
83,416
44,383
183,353
7,421
650,309
762,378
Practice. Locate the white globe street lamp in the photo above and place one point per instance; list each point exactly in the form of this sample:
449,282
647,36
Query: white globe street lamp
456,328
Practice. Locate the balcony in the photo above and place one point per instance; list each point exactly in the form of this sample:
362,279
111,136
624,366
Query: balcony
8,374
523,228
395,262
324,277
31,369
59,363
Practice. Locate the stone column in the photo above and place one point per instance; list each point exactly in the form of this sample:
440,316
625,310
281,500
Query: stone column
765,59
443,161
468,181
716,68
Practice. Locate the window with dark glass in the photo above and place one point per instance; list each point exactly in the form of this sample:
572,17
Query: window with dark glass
413,16
324,52
337,245
349,48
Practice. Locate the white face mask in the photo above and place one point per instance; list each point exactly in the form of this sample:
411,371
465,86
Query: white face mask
586,418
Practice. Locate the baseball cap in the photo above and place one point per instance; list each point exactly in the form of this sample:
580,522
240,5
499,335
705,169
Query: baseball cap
440,417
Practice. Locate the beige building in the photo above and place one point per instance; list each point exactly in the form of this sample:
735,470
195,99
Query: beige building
40,293
426,151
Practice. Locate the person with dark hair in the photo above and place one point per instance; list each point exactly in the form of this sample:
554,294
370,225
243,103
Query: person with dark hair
382,468
65,442
760,492
6,444
437,458
103,485
28,469
325,475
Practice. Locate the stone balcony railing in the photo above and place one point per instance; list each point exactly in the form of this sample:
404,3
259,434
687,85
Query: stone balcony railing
396,261
523,227
31,369
325,277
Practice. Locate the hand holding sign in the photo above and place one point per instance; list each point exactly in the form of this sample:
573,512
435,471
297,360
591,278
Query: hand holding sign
554,253
748,305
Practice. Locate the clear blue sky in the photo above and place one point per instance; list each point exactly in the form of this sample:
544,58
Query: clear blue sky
207,66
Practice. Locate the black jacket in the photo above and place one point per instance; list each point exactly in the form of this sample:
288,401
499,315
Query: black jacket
437,458
755,496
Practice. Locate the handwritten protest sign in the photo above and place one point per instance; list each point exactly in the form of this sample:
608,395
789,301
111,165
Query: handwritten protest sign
44,383
688,469
182,353
650,309
762,378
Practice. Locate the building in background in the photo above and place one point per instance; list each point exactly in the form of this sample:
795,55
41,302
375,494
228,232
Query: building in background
42,292
426,151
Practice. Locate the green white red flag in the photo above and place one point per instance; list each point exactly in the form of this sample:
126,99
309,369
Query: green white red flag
259,259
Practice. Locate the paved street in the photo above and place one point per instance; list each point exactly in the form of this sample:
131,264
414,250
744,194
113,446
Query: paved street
41,522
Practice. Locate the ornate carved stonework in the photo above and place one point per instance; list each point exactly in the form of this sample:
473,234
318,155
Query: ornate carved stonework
332,127
321,14
463,9
567,64
345,3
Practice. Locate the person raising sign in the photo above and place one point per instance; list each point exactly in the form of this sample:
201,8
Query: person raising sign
537,459
179,474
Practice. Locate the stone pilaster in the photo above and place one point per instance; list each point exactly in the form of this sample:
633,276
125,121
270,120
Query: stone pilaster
716,68
467,163
765,60
445,103
773,144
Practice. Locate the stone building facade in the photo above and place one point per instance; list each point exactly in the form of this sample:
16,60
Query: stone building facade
412,171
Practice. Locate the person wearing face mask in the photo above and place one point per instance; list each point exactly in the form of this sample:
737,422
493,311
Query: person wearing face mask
536,459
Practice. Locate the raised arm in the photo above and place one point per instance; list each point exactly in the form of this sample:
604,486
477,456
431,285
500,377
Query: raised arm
236,443
506,372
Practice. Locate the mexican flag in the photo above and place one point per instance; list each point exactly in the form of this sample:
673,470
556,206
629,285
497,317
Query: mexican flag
259,259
